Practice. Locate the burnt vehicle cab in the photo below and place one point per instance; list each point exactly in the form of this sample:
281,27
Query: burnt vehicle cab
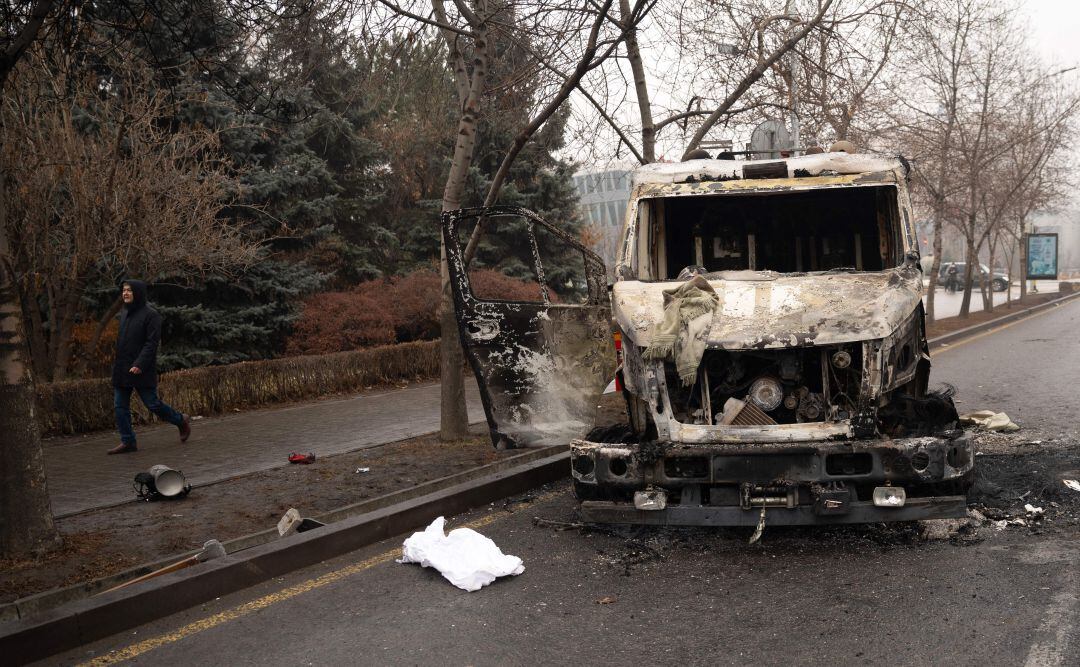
774,353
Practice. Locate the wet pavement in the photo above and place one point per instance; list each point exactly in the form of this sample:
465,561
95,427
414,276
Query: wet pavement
875,594
82,477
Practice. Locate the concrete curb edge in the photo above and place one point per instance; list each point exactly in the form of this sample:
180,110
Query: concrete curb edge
87,620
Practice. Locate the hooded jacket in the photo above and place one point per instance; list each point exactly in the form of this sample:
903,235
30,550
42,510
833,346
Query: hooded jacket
137,342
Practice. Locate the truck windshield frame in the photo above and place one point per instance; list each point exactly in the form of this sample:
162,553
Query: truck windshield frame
784,227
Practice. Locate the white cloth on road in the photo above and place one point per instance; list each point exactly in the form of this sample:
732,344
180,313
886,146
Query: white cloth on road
990,420
466,558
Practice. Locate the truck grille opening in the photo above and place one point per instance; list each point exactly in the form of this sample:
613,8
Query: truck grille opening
859,463
790,386
686,467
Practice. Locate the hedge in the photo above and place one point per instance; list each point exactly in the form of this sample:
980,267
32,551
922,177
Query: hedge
79,406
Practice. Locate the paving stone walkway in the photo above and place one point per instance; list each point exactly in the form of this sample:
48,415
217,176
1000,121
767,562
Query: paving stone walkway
82,477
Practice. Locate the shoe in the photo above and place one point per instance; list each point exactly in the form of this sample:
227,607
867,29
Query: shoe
185,428
123,448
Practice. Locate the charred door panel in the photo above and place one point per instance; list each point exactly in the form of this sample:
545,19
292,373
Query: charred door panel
540,365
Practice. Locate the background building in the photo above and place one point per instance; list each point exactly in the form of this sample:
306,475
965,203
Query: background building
604,195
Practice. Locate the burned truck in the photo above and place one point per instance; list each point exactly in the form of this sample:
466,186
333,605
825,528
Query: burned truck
773,349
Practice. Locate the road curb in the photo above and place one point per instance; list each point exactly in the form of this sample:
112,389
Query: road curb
961,334
38,603
87,620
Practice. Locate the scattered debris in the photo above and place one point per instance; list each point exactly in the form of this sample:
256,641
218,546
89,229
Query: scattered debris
943,529
302,458
760,527
1032,510
990,420
160,482
557,525
464,557
1072,484
211,549
362,470
607,599
291,522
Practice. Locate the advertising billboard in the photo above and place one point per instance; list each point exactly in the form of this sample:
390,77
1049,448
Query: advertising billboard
1042,257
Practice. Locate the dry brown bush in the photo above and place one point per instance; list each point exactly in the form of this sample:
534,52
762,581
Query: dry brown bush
86,405
340,321
380,311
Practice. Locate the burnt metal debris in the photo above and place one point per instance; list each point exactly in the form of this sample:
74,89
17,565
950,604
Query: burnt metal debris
811,400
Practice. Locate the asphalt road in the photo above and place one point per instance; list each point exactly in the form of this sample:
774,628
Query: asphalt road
855,595
1031,370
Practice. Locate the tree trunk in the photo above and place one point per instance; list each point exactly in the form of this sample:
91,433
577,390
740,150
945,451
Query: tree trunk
1010,255
1023,265
971,258
935,267
35,336
453,412
641,87
988,303
454,416
26,523
65,332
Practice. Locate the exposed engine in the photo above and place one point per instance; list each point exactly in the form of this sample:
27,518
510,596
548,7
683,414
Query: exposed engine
813,384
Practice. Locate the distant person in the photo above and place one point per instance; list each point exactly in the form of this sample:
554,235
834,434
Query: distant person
952,278
135,366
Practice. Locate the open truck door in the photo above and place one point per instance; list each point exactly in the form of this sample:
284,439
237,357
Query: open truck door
543,355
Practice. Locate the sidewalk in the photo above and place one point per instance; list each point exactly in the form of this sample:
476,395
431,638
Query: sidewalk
82,477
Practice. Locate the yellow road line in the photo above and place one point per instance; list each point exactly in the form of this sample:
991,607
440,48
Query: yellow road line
965,341
209,622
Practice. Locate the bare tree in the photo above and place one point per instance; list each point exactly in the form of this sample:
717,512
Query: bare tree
26,522
836,80
693,67
929,96
1036,169
569,41
102,184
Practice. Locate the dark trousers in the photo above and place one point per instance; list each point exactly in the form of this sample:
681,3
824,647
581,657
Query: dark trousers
122,403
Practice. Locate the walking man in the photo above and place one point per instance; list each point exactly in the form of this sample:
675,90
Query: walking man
135,367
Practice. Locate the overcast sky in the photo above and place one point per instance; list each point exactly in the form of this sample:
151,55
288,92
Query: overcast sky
1055,29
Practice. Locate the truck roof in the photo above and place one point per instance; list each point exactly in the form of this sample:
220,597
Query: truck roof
804,165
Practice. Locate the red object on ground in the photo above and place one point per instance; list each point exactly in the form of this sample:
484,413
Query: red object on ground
301,458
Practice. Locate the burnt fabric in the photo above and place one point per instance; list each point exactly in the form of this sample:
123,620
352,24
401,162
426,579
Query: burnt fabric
688,311
137,342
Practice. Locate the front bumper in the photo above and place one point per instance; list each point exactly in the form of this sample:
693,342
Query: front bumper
801,483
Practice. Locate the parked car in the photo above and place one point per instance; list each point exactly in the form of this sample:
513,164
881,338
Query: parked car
999,282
